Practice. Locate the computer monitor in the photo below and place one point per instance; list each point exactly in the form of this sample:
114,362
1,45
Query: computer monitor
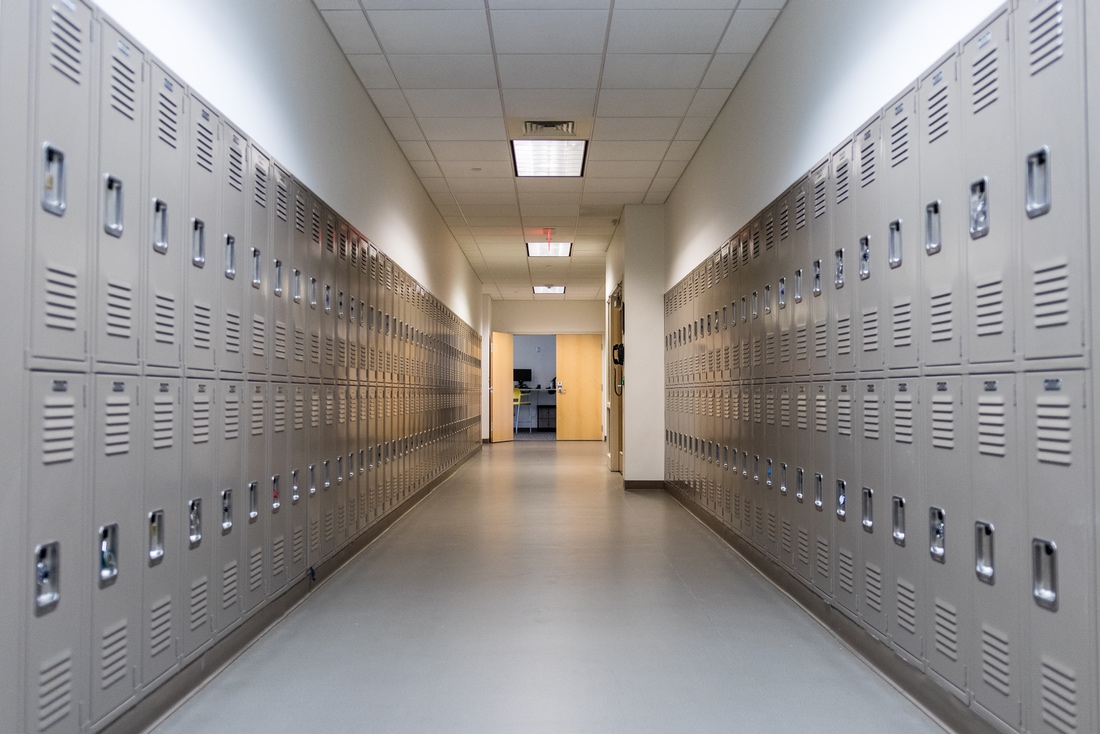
521,375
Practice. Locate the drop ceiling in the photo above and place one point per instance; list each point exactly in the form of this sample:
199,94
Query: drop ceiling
456,79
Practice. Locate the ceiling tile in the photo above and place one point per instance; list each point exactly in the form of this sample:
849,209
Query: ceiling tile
552,103
653,71
481,184
663,184
426,169
441,198
450,210
626,185
373,71
666,31
549,197
423,4
390,102
439,71
761,4
480,212
620,169
454,102
538,185
488,169
544,209
432,31
708,102
549,71
747,30
635,128
611,199
549,31
694,128
404,128
416,150
682,150
672,169
468,198
633,150
351,30
463,128
494,225
466,150
725,70
644,102
681,4
434,184
655,198
336,4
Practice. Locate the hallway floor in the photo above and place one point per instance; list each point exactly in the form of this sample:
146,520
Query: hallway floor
529,593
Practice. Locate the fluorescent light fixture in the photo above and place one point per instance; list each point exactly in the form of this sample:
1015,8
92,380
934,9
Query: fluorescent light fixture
549,157
549,249
549,290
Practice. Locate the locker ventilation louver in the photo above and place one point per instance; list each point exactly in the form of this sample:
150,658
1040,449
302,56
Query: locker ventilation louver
772,539
846,571
843,171
229,585
168,120
315,347
120,310
164,421
259,334
164,319
236,167
870,330
55,690
1046,37
58,429
800,209
996,660
278,554
943,422
903,324
903,419
1054,430
67,48
116,429
844,414
871,417
123,88
1059,696
314,412
784,347
160,626
232,418
280,340
198,600
992,425
259,186
947,630
282,205
784,222
785,538
844,335
899,142
279,423
1051,296
990,308
256,569
204,146
803,548
329,405
822,560
907,606
201,327
299,412
330,526
299,345
769,233
200,419
61,298
821,340
939,115
985,81
873,587
868,162
299,214
314,535
802,411
819,196
297,547
942,318
232,332
784,410
257,415
113,649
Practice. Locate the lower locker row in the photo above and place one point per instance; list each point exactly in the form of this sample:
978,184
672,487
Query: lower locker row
952,517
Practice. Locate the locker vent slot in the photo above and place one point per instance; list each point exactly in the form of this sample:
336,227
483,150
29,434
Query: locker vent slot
55,690
903,418
990,308
800,210
199,595
315,220
299,345
328,350
943,422
58,429
341,519
299,412
113,655
846,571
899,142
1046,37
985,80
938,115
771,528
868,162
164,319
755,251
120,310
278,553
259,186
757,410
123,88
1053,430
328,407
297,547
299,214
257,415
200,337
784,222
821,340
200,419
844,335
168,121
992,426
784,347
873,587
61,298
116,428
232,417
822,557
769,348
279,424
842,176
947,630
67,48
315,347
996,661
871,417
903,324
280,340
870,330
259,334
1059,686
942,317
164,421
735,405
785,536
204,146
821,412
229,584
236,168
819,196
314,411
844,414
160,626
233,332
737,507
803,547
907,606
330,237
256,569
314,535
282,204
802,411
758,514
1051,295
330,526
785,410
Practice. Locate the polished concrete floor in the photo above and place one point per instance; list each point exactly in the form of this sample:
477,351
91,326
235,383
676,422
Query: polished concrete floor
529,593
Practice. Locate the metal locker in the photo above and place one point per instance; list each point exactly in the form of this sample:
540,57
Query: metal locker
745,441
299,282
900,231
844,487
363,457
159,531
282,279
948,616
341,298
233,505
203,270
818,275
353,302
351,473
801,487
1051,157
325,456
783,280
991,180
118,186
338,442
280,488
57,621
867,263
1061,616
200,514
365,302
906,516
238,261
798,288
373,456
298,487
329,268
819,490
165,238
114,537
260,493
768,447
732,302
941,243
996,648
65,69
783,472
869,503
315,276
374,314
843,252
265,270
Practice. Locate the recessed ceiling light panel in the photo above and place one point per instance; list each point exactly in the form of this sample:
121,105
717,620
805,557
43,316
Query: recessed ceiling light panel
549,290
562,158
549,249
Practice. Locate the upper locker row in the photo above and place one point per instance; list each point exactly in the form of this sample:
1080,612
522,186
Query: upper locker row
948,233
207,255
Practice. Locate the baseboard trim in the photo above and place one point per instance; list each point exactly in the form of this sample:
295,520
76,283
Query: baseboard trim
634,485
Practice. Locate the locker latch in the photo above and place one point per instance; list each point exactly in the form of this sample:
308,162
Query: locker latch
160,226
112,205
253,501
1038,183
275,501
819,488
933,228
362,462
864,257
326,473
198,243
868,510
838,268
257,275
768,473
893,247
194,522
841,499
108,553
312,479
47,576
937,532
817,278
979,208
782,293
230,257
782,478
983,551
227,510
745,464
756,468
295,492
53,180
898,517
1044,573
277,286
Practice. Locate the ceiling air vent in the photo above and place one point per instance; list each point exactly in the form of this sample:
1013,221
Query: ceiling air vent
549,127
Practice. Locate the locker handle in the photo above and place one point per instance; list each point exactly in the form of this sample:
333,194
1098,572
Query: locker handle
864,257
979,208
312,479
937,534
276,503
160,226
1038,183
756,468
1044,573
768,473
230,257
983,551
253,501
745,464
351,466
277,288
755,305
767,300
257,281
868,510
838,268
156,536
297,286
108,554
783,478
47,576
782,294
898,518
894,244
313,292
362,461
798,286
227,510
842,499
194,522
295,493
198,243
340,469
326,474
819,482
817,278
53,180
933,228
112,205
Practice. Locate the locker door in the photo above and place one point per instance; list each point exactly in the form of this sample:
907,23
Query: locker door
819,485
352,317
768,448
238,261
65,69
1061,616
1050,145
200,515
363,450
870,505
948,617
800,261
757,279
118,186
906,515
281,341
943,308
114,536
769,294
784,466
901,231
328,275
802,484
338,452
204,271
867,263
364,309
821,254
299,311
258,495
999,580
233,502
299,481
843,252
341,281
845,488
314,270
733,299
280,496
373,456
326,465
745,441
351,474
165,240
784,270
991,175
159,531
57,624
748,282
265,274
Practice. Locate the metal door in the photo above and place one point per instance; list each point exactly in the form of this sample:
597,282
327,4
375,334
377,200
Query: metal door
843,254
260,496
820,254
264,282
845,485
235,504
867,263
906,516
203,270
298,476
281,340
280,453
239,261
870,504
200,516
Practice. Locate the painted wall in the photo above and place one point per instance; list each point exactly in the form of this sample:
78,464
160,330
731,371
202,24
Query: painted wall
549,317
275,70
823,70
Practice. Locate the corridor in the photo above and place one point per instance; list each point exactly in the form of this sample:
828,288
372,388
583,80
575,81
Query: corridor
529,593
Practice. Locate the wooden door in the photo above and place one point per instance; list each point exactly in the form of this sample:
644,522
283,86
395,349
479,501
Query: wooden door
580,393
500,387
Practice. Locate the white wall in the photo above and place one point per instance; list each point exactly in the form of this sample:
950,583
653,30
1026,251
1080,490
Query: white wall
274,70
538,353
549,317
823,70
